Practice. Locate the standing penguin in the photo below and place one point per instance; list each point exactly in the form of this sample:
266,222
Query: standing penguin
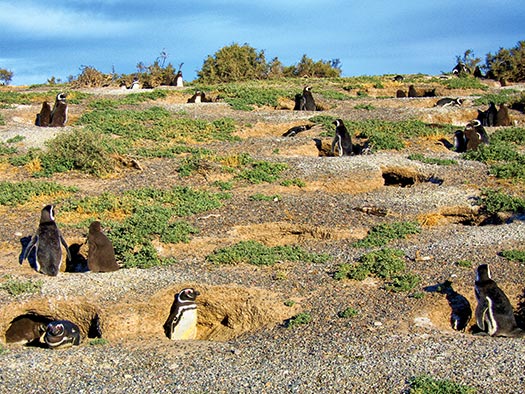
342,139
477,127
182,321
494,313
101,255
47,242
61,334
308,103
59,112
502,117
43,119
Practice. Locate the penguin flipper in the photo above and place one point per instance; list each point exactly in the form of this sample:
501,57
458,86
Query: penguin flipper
33,243
481,313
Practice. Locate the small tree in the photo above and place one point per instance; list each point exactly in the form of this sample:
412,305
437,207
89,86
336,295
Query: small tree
234,63
308,68
5,76
508,64
468,59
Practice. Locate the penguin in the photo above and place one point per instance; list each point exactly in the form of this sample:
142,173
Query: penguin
398,78
47,242
460,142
178,79
182,321
61,334
477,73
26,329
59,112
292,132
400,93
492,114
412,92
502,117
342,139
494,313
101,255
447,101
308,103
43,119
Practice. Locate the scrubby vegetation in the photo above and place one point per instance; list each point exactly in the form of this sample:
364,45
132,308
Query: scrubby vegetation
425,384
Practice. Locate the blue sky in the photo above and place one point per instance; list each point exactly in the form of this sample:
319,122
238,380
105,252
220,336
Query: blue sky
55,38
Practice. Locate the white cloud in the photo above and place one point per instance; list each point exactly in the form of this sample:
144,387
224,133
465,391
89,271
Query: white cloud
40,21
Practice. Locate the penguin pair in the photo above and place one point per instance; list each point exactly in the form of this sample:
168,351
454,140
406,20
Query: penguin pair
488,117
471,137
342,140
199,97
56,117
61,334
47,245
494,313
305,101
182,321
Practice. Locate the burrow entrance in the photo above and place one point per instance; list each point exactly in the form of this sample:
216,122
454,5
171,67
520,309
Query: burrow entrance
404,176
224,313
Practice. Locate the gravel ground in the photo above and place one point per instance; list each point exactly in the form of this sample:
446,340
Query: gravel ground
394,336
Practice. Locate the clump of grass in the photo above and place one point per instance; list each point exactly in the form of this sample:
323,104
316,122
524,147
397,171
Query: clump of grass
464,263
466,82
6,150
16,287
15,139
386,264
17,193
262,172
264,197
256,253
293,182
383,233
2,120
98,342
3,349
299,319
504,96
367,107
432,160
348,313
245,97
424,384
514,255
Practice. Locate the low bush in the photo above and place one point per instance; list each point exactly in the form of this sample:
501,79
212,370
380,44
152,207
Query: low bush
424,384
383,233
18,193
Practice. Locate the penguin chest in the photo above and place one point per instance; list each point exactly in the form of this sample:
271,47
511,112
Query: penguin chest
186,328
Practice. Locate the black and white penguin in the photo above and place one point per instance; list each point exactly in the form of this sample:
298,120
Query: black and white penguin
59,112
196,98
182,321
61,334
460,142
342,139
178,79
447,101
101,255
308,103
412,92
293,131
494,313
43,119
47,242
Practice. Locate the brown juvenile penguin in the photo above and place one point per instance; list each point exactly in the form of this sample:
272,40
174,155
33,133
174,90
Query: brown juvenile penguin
43,119
502,116
101,255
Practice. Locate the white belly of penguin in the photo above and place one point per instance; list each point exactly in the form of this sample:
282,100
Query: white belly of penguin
187,327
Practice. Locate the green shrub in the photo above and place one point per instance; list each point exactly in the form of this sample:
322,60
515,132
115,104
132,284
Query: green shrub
464,263
18,193
403,283
424,384
2,120
253,252
293,182
464,82
81,150
262,171
494,201
244,97
299,319
6,150
16,287
347,313
98,342
514,255
263,197
383,233
507,64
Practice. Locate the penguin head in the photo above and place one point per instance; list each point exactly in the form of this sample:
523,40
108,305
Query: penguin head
459,101
55,329
337,122
187,294
95,227
307,88
47,214
61,97
483,273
